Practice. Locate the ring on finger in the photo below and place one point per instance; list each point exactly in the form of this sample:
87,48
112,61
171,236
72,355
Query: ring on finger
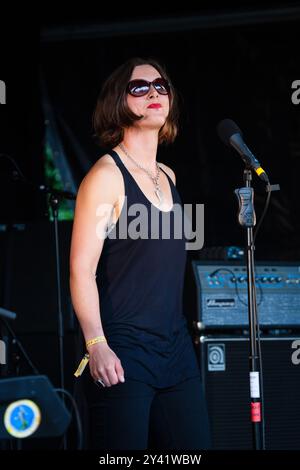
100,381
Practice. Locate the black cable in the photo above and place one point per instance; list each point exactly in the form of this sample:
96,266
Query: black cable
11,159
236,285
267,202
258,341
77,416
261,384
21,347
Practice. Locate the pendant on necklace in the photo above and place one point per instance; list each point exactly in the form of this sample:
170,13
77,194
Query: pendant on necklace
159,195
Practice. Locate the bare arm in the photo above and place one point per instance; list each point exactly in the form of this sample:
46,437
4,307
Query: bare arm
98,191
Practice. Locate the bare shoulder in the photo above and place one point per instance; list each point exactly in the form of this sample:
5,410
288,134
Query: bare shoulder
169,171
103,177
104,168
105,164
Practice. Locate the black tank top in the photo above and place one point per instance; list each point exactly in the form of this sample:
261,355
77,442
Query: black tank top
140,281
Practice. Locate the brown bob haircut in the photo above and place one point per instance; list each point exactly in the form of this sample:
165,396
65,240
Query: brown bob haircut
112,113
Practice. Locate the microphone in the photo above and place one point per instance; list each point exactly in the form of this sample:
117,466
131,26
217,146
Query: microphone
232,136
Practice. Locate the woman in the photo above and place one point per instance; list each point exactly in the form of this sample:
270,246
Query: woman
127,278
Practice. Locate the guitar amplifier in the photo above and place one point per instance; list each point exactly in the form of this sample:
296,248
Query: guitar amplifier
222,296
224,363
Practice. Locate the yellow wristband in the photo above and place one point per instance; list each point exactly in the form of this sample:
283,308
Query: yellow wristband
98,339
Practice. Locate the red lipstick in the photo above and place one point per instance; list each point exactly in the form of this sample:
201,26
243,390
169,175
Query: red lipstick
154,105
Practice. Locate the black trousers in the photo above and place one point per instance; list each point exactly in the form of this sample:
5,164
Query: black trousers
134,415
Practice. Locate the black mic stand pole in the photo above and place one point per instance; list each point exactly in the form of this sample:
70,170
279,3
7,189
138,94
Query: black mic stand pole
246,219
54,201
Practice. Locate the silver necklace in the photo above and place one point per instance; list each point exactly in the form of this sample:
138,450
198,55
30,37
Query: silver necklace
158,190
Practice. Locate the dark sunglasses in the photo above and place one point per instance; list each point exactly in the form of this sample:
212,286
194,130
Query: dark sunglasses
141,87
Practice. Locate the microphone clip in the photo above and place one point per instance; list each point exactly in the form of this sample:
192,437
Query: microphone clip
246,212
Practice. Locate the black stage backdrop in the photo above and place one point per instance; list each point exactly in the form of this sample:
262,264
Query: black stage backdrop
235,62
220,69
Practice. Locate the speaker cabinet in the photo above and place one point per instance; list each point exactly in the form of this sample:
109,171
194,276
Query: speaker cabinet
225,374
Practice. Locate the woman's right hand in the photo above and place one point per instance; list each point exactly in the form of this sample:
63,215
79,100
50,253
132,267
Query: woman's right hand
105,364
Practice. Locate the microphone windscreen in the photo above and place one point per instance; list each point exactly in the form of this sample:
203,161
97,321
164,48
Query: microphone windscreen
226,129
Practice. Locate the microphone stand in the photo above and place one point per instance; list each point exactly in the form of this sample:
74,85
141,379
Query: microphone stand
247,219
55,197
54,201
